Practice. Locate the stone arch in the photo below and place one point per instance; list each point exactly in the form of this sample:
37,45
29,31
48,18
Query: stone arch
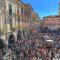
2,43
19,35
11,39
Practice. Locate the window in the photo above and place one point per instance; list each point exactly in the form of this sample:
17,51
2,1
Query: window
10,9
22,11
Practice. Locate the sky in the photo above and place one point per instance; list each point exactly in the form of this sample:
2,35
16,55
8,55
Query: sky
44,7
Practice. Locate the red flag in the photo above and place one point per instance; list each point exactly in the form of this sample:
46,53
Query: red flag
33,30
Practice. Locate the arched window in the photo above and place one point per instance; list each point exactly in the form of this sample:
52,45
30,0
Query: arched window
19,35
11,39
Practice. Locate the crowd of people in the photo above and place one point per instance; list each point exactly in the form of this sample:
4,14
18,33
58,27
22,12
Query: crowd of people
32,48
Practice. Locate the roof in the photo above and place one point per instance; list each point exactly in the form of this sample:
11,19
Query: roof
54,16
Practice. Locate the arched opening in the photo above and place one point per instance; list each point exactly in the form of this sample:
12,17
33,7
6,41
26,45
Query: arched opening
19,35
2,44
24,33
11,41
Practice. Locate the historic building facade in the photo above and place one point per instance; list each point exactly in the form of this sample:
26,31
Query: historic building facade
14,16
35,20
52,22
7,16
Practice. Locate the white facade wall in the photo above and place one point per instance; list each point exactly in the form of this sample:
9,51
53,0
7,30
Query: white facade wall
52,23
5,17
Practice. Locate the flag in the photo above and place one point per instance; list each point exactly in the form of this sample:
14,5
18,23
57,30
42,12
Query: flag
33,30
